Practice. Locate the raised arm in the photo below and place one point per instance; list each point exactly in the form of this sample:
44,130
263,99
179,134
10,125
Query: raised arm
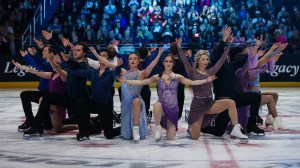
46,75
57,68
217,55
30,60
272,52
103,60
186,63
93,63
147,71
215,68
187,81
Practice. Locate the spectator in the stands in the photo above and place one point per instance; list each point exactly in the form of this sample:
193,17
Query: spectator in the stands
110,9
56,26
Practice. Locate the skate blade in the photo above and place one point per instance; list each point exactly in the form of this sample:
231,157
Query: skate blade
158,140
21,130
237,141
256,134
33,135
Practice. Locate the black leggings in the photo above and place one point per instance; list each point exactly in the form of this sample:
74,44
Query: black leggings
86,107
33,96
180,99
62,100
243,99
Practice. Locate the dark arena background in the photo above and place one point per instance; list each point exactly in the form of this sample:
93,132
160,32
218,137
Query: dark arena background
150,23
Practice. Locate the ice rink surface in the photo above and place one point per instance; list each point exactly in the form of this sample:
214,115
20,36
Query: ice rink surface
277,149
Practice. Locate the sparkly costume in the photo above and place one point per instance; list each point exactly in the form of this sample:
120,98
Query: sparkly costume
167,94
202,100
130,92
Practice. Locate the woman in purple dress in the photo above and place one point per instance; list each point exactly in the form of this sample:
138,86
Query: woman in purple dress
203,108
165,110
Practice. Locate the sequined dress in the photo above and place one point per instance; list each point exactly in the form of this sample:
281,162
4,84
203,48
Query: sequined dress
167,94
130,92
203,98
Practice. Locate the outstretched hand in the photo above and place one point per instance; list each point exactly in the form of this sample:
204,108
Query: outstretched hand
259,41
23,53
283,46
32,51
39,43
261,53
16,63
226,33
119,61
121,79
179,41
211,78
93,50
65,42
189,53
47,35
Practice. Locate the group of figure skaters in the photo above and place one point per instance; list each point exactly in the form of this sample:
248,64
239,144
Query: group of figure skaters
232,75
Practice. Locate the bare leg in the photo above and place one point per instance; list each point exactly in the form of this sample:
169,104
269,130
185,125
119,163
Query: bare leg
171,130
137,108
269,100
274,94
216,108
222,105
195,129
57,121
157,112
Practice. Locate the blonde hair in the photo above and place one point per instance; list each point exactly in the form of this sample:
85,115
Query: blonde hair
198,56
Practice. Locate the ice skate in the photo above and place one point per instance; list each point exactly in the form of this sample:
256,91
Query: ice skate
34,131
278,124
81,137
255,129
24,126
136,133
186,116
269,120
158,133
149,116
236,133
117,117
259,121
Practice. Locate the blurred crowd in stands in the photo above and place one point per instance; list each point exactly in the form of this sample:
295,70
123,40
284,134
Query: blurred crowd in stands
150,21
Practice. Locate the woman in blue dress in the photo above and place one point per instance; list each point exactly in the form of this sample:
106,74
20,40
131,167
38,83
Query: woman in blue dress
133,113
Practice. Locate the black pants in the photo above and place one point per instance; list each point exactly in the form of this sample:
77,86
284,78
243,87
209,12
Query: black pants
243,99
180,99
33,96
62,100
86,107
145,94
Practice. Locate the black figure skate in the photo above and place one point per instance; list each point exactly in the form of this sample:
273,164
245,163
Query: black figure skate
24,126
34,131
